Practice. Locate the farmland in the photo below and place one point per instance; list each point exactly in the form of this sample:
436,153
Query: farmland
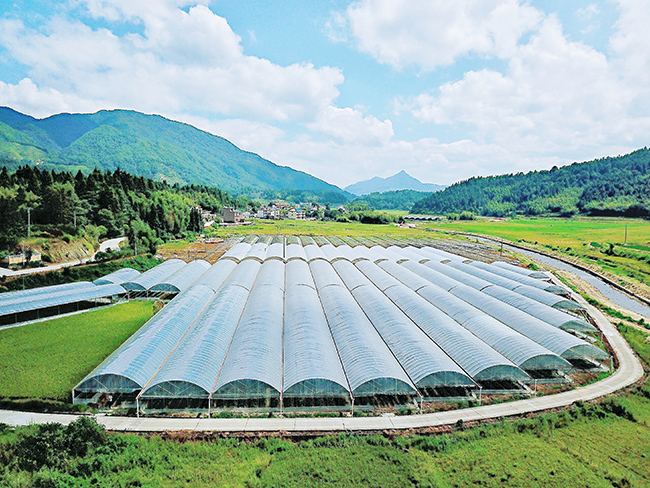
599,243
47,359
605,444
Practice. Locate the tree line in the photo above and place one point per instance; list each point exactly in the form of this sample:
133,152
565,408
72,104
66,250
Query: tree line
612,186
110,203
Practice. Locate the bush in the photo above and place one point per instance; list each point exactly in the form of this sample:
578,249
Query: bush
53,445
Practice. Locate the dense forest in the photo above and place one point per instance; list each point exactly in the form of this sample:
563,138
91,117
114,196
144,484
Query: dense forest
393,200
618,186
105,203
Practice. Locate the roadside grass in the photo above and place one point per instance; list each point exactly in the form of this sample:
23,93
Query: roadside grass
47,359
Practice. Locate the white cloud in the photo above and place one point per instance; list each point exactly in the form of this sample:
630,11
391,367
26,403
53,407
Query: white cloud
350,125
555,97
438,32
188,61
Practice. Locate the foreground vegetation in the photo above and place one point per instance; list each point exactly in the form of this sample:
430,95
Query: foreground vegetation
600,445
45,360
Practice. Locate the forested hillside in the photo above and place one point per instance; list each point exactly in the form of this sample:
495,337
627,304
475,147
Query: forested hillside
393,200
618,186
106,203
144,145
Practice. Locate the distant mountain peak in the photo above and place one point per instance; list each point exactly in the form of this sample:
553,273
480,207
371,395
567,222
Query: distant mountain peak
399,181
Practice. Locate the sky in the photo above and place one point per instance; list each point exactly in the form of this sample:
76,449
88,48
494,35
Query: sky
348,90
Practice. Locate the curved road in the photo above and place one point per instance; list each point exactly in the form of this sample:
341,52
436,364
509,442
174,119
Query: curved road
103,247
630,370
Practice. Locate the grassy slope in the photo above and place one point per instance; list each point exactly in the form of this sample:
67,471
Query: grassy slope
47,359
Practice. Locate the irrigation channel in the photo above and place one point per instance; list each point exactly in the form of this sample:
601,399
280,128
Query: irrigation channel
617,297
629,371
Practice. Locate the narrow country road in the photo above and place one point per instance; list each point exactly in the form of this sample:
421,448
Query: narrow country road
112,244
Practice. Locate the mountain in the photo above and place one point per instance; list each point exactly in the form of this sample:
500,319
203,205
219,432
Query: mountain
612,186
144,145
400,181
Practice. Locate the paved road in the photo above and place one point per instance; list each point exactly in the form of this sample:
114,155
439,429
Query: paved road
103,247
630,370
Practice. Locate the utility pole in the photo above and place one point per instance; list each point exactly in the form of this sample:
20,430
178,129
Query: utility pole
75,218
29,222
135,241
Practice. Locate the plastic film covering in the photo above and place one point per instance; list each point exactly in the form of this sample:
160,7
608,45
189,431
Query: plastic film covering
257,251
181,279
118,277
553,316
295,251
216,274
312,366
558,341
334,253
154,276
194,364
57,298
372,254
253,365
35,293
369,365
517,347
475,357
426,364
442,255
521,270
450,269
545,297
133,364
308,241
275,251
314,252
293,240
524,280
237,252
543,312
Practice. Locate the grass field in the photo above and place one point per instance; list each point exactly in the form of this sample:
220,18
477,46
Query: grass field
47,359
587,239
317,228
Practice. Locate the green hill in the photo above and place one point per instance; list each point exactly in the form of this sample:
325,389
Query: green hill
145,145
618,186
392,200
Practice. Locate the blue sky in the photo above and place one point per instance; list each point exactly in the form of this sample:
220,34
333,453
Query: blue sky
350,90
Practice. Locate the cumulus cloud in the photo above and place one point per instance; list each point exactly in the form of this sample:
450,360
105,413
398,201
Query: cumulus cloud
189,60
350,125
438,32
556,96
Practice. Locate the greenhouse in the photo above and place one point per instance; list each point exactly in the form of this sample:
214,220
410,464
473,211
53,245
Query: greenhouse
312,322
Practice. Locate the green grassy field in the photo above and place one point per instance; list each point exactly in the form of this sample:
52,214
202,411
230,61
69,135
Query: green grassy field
317,228
586,238
47,359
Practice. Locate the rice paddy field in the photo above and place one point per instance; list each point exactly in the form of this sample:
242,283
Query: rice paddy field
47,359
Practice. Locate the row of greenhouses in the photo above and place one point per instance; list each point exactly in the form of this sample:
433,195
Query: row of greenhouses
281,322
